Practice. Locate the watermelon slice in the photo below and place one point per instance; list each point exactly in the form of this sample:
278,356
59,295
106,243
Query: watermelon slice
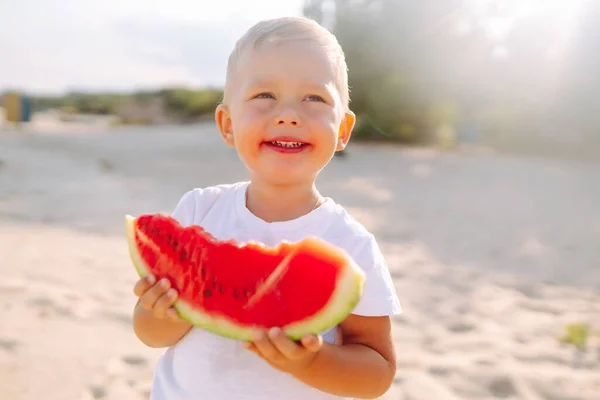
232,288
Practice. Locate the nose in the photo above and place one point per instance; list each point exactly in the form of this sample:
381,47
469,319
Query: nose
287,116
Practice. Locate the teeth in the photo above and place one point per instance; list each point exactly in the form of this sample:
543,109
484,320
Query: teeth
288,144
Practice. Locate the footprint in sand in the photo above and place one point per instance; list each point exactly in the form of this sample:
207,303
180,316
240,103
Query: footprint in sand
125,377
496,383
116,390
142,387
420,386
502,387
134,360
486,361
131,366
47,305
440,370
8,345
97,391
460,326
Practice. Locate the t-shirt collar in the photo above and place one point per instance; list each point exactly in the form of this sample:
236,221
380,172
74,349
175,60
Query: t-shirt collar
316,216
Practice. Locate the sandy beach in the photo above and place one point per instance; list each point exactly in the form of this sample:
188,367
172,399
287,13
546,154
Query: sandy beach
491,256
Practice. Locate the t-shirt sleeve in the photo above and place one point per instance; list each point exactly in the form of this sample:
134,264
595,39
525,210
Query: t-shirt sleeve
185,210
379,294
195,204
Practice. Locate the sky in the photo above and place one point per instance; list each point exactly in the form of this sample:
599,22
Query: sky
52,47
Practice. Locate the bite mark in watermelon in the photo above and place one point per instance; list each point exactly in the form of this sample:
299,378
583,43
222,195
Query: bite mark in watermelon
232,288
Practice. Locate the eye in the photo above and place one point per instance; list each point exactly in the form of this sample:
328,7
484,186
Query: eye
314,97
264,96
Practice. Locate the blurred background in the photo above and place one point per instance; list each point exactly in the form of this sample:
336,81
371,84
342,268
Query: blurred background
475,161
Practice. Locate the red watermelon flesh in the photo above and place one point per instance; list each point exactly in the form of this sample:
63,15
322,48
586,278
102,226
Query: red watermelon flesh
231,288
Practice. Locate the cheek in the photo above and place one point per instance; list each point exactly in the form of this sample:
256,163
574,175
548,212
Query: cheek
246,143
326,123
323,114
250,118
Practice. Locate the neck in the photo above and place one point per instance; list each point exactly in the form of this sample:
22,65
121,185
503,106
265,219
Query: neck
273,203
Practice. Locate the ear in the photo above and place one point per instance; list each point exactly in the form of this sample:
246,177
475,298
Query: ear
345,130
223,120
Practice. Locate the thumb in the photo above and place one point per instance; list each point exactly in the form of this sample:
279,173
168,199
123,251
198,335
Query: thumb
312,342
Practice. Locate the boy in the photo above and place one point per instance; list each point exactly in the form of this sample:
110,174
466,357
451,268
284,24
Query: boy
285,110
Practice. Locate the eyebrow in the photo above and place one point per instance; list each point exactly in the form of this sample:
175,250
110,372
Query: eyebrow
270,82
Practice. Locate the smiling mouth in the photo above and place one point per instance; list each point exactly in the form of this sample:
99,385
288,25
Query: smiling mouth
289,145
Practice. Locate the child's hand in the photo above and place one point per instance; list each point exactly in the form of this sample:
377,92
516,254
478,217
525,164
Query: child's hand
282,352
157,297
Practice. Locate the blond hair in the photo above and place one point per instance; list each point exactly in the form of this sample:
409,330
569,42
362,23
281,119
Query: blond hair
284,29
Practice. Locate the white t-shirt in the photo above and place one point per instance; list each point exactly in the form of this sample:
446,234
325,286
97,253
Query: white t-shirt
203,365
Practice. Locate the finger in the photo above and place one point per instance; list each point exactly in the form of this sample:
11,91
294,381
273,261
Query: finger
143,285
290,349
164,302
171,313
149,299
266,349
250,346
312,343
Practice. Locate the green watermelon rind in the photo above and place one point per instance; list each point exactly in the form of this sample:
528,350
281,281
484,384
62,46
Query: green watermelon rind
343,300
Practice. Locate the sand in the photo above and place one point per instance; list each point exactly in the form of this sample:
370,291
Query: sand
491,255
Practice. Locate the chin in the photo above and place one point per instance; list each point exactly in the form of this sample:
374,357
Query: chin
283,177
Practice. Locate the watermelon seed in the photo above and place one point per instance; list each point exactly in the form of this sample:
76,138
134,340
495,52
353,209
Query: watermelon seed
169,239
247,293
222,289
183,255
175,244
207,293
235,293
203,272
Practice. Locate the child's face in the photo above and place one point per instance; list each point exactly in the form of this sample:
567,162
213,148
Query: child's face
284,114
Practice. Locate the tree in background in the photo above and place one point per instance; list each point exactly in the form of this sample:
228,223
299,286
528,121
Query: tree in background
403,77
178,104
577,99
499,67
